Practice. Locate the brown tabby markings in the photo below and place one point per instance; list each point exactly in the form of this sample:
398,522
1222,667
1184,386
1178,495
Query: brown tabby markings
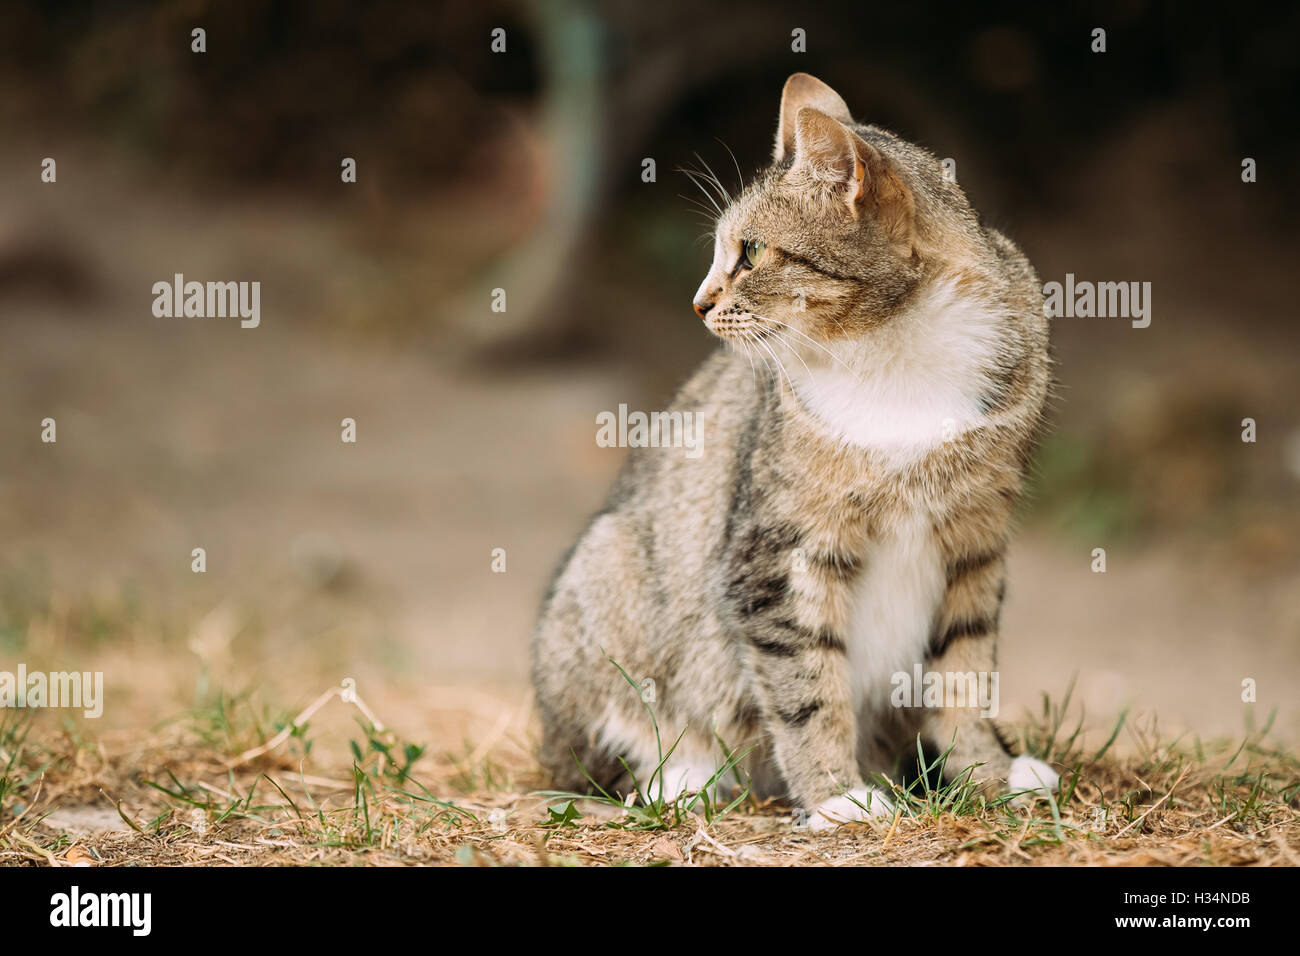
830,535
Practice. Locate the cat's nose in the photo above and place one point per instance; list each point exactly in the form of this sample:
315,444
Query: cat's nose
702,306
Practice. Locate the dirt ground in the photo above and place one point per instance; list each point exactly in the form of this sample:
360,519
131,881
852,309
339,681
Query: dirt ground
391,540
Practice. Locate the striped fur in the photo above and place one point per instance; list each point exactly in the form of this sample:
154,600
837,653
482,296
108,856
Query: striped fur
865,441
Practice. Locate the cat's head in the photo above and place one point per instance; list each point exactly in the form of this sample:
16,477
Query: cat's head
836,237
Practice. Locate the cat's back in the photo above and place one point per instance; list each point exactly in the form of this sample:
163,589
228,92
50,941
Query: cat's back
716,408
1024,287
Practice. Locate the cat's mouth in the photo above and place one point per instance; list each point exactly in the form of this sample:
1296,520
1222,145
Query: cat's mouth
737,326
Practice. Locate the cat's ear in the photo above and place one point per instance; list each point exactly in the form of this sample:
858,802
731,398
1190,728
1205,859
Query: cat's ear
802,90
829,152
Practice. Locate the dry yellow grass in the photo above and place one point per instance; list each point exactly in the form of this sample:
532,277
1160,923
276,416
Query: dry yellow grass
220,787
409,773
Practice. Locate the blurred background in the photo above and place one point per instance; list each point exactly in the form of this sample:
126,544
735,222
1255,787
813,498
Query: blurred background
522,170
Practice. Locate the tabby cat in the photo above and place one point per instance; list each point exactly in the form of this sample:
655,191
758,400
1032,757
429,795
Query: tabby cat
865,434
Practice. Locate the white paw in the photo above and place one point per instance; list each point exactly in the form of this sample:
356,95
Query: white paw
678,779
1033,775
846,809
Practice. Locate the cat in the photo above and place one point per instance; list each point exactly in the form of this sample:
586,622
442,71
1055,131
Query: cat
866,431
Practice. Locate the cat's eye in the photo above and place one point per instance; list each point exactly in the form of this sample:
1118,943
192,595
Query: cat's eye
751,252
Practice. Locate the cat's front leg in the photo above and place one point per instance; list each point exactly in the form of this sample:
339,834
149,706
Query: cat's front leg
963,652
803,686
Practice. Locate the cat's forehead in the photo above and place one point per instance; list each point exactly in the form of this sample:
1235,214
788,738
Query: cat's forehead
764,208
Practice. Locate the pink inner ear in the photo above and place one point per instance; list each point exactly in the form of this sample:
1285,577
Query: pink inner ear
802,90
821,140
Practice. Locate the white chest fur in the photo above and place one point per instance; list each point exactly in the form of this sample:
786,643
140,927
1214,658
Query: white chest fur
893,604
910,385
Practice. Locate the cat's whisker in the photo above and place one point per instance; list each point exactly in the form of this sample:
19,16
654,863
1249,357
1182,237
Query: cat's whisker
750,337
712,178
748,355
797,331
767,364
740,177
775,358
695,178
793,351
708,211
839,325
813,342
711,208
707,178
831,355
